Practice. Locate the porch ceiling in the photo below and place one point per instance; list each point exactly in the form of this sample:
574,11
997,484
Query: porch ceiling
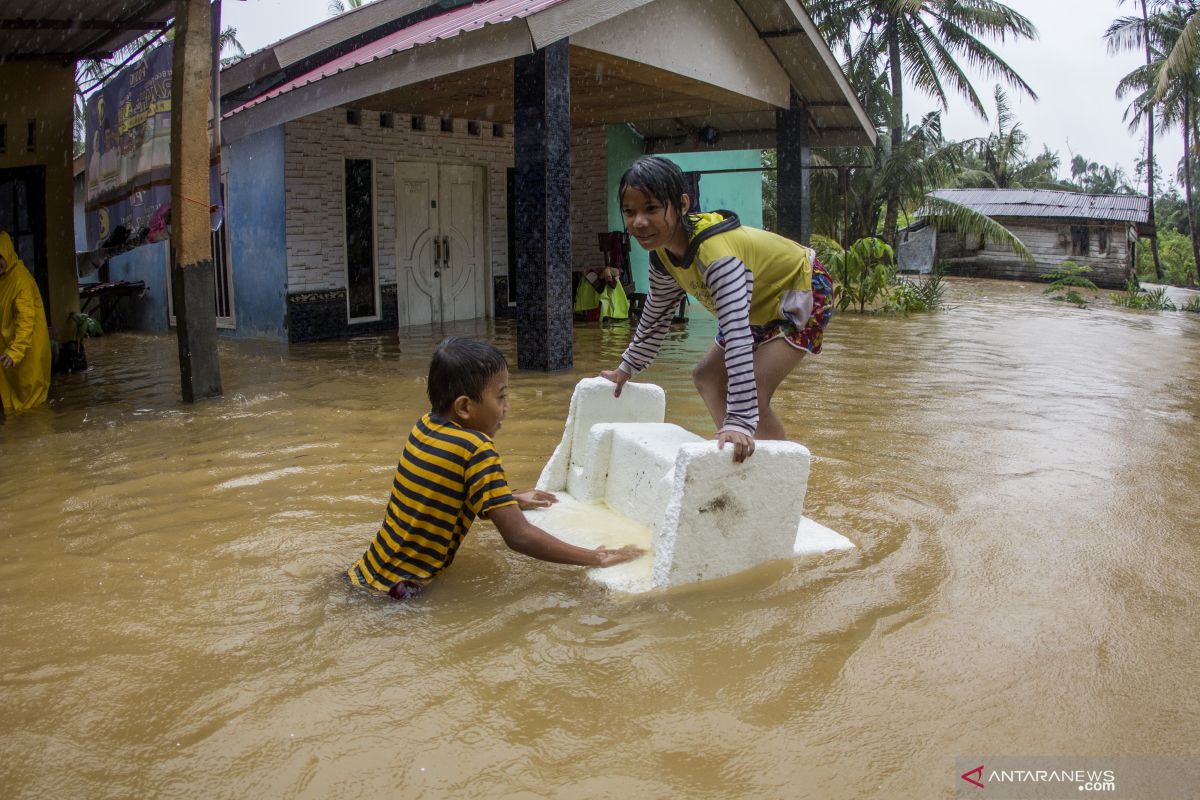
727,66
605,89
75,29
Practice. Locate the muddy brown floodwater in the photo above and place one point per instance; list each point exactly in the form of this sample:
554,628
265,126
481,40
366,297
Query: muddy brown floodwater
1020,477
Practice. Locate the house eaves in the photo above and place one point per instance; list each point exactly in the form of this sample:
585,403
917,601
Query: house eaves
75,29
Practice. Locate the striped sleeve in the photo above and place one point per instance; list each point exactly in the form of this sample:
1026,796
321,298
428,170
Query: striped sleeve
732,285
485,483
656,317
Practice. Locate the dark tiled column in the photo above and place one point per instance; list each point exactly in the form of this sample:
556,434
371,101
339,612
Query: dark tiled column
794,156
542,154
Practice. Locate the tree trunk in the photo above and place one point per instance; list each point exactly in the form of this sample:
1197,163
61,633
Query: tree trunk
1158,273
1187,175
893,193
1195,128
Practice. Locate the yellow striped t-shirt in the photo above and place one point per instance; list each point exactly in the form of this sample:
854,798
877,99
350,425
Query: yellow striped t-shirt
447,476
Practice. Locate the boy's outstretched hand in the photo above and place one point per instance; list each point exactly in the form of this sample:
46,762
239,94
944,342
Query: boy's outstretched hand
608,557
534,498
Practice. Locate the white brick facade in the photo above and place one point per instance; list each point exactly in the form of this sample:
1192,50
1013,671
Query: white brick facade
589,195
317,146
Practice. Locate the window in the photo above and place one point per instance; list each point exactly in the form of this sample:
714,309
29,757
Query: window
3,138
447,125
360,239
1079,240
387,120
1102,240
31,135
498,130
473,128
417,123
353,116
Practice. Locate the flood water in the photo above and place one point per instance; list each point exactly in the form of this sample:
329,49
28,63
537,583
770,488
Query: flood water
1021,479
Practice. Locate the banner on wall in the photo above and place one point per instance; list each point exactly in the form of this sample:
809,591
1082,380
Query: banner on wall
128,153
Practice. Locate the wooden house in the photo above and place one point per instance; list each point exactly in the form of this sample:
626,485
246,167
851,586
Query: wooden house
1097,230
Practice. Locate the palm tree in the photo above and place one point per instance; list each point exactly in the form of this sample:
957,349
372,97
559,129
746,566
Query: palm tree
923,162
1116,43
1163,31
1181,58
927,38
1000,162
342,6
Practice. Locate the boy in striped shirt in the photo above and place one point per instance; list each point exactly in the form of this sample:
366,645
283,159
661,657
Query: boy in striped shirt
450,473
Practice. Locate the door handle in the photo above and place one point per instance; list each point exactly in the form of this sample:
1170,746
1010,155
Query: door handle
446,251
437,252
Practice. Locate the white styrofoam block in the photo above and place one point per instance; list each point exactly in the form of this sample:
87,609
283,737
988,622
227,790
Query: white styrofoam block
623,476
724,517
593,402
641,469
591,525
587,482
813,537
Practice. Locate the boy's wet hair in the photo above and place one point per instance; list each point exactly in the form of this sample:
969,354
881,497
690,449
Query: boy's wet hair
658,177
461,367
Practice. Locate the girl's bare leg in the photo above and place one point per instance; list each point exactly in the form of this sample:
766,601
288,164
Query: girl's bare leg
712,382
773,362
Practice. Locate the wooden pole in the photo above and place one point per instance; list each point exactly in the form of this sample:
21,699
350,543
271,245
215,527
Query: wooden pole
191,242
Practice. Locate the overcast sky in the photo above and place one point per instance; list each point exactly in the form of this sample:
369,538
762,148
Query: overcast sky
1068,66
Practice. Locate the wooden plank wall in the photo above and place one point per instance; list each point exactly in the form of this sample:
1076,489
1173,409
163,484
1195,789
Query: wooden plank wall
1051,243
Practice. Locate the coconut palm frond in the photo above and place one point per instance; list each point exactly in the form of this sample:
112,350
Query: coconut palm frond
1182,57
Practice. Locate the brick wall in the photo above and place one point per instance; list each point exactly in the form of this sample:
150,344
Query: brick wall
589,201
316,147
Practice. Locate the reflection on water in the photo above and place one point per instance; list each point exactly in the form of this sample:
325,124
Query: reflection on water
1020,478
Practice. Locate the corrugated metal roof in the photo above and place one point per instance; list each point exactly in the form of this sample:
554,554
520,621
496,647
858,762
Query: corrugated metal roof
445,26
69,29
1048,203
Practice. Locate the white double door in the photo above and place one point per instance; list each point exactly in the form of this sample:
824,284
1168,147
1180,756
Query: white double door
441,257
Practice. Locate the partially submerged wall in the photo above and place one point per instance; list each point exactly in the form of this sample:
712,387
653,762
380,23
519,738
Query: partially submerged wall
1103,246
315,149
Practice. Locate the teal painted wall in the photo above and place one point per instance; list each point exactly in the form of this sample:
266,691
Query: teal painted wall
740,192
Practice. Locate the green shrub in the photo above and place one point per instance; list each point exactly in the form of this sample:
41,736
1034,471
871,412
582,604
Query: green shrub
903,298
1192,305
1067,280
1153,300
862,274
1175,254
931,289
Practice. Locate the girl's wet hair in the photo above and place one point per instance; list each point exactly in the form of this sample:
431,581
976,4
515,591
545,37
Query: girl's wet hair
658,177
461,367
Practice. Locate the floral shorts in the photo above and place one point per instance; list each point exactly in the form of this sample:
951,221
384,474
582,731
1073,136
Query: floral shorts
811,335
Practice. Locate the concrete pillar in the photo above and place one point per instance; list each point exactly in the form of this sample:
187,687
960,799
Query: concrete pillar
542,155
191,245
793,158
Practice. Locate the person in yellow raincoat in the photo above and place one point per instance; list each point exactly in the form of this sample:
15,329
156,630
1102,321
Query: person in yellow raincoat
24,340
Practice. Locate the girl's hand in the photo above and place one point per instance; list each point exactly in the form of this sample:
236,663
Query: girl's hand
607,557
534,498
743,445
617,376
